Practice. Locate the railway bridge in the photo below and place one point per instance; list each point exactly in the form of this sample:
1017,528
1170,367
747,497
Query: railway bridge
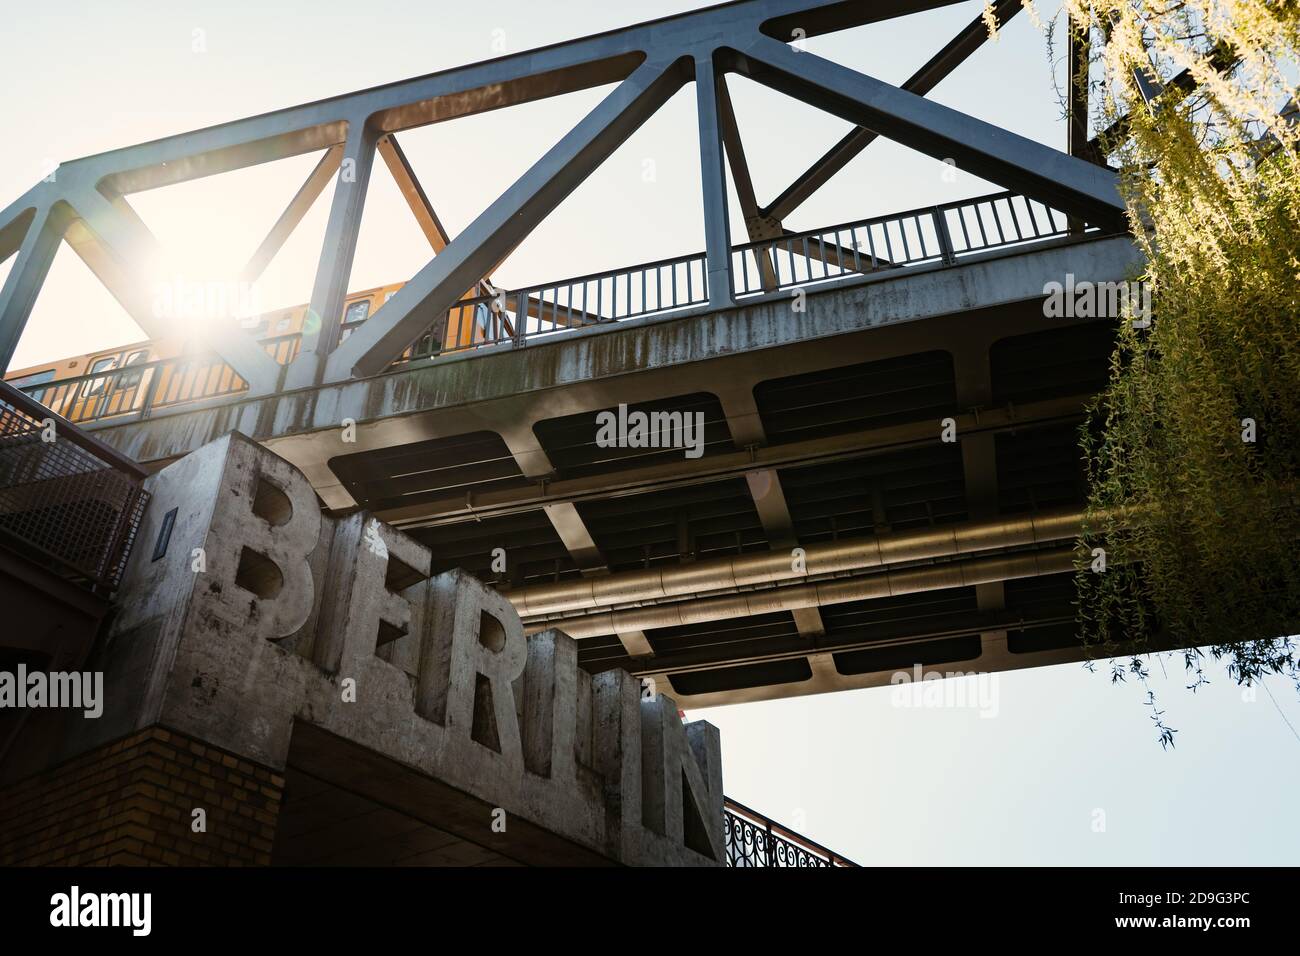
824,363
888,474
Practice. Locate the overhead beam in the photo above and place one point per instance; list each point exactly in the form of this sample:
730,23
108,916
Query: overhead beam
851,445
38,243
119,248
409,185
565,519
293,214
1181,85
506,222
956,52
1077,61
1014,162
713,178
765,490
756,226
879,636
517,78
338,250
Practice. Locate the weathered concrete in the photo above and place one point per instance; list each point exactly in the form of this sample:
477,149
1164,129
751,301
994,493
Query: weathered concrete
571,371
261,615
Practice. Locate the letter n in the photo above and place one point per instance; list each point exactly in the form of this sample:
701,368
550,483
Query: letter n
681,778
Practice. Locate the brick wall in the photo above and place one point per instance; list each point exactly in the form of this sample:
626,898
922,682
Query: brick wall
131,802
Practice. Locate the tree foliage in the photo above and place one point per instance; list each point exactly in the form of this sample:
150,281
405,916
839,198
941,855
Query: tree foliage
1199,522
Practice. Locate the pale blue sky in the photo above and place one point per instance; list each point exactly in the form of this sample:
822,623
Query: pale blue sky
880,783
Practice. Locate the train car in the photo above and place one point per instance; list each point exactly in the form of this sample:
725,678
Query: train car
171,371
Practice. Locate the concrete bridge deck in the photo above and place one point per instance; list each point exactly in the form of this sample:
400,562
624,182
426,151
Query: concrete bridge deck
822,424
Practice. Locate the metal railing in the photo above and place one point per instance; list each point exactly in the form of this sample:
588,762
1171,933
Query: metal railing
934,235
67,501
755,840
930,235
522,315
147,386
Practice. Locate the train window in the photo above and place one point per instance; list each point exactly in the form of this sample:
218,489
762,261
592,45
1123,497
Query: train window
357,312
132,379
36,378
95,386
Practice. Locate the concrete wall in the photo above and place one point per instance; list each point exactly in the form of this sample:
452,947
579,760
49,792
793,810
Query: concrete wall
261,615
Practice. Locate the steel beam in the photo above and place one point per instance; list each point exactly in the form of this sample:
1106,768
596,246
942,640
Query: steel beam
293,214
1077,58
1179,86
756,226
814,451
399,167
505,223
334,269
764,485
409,185
956,52
645,57
1013,161
37,246
880,637
717,228
565,519
461,91
118,247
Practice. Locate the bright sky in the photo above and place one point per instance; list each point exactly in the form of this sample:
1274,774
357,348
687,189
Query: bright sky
878,782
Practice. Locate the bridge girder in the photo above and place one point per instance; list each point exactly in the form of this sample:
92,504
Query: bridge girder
650,61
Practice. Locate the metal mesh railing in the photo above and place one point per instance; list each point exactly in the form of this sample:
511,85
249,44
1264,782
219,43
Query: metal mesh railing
755,840
66,500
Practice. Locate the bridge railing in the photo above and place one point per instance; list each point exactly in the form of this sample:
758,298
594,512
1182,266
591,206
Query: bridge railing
753,839
148,386
929,235
933,235
523,315
67,501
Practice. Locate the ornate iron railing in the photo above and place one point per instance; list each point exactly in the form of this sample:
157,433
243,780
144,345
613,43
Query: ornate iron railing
755,840
67,501
931,236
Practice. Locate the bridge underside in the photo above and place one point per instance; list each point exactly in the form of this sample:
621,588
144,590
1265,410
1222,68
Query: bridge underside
823,428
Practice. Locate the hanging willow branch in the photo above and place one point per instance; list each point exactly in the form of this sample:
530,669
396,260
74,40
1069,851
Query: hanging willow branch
1193,450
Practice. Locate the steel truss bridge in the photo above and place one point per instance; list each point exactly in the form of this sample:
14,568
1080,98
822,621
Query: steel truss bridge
822,426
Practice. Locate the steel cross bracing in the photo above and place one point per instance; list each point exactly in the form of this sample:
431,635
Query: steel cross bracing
85,201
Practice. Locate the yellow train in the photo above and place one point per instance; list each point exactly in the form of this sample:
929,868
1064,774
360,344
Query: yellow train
160,373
